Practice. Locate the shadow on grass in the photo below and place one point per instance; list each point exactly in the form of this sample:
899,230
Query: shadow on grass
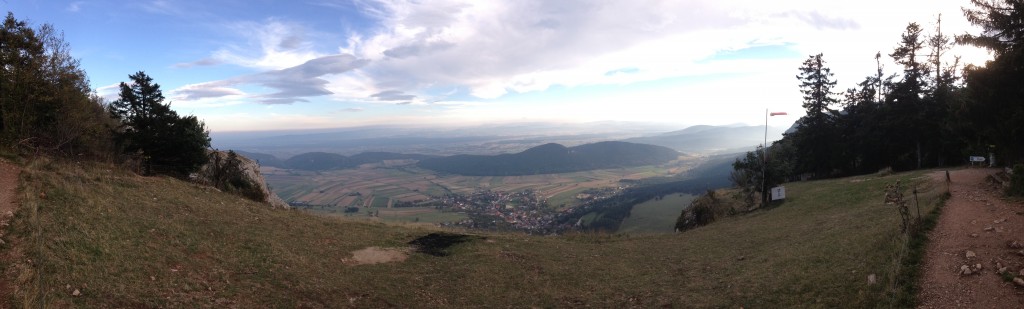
437,244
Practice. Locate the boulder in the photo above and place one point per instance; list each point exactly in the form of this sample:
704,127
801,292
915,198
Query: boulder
249,169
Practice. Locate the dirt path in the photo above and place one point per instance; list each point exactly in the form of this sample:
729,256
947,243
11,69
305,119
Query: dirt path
8,185
974,219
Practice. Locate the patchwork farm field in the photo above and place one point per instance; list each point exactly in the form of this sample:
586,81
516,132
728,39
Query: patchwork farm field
379,188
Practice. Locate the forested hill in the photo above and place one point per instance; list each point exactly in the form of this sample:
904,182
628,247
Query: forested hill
323,161
554,158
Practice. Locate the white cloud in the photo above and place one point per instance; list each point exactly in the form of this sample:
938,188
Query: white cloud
522,46
109,93
197,63
289,85
74,7
489,49
272,44
196,92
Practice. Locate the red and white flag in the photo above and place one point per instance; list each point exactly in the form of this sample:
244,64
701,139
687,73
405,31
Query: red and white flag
778,113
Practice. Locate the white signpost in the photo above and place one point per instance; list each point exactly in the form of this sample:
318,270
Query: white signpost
778,193
977,159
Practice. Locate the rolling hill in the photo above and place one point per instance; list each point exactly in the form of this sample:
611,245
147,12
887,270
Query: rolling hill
553,158
323,161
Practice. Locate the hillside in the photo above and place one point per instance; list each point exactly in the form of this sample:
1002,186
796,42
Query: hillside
705,139
264,159
127,241
554,158
323,161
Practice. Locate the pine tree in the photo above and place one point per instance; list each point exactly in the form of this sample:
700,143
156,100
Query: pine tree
167,142
816,85
815,139
995,98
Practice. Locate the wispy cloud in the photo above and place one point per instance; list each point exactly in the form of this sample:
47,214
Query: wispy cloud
164,7
290,85
198,63
75,6
392,95
197,92
270,44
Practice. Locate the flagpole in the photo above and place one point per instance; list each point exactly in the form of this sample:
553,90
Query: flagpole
764,161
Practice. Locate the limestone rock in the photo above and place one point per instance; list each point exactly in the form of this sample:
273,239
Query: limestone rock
1018,281
249,168
872,279
970,254
76,293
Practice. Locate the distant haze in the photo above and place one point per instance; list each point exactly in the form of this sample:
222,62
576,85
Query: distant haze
497,139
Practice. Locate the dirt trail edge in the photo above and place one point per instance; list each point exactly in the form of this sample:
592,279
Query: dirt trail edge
976,227
8,186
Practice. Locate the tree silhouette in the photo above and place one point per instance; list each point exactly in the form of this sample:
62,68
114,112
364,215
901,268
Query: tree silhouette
168,143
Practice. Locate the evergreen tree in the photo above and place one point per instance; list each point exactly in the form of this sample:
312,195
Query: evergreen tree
815,137
167,142
994,106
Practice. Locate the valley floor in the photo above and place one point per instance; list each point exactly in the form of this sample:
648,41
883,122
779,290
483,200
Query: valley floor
977,226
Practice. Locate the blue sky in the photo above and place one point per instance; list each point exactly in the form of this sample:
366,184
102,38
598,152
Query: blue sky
270,65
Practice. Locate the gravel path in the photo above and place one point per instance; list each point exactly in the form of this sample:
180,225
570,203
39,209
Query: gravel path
974,219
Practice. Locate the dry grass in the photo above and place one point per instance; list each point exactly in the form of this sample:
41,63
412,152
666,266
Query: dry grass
127,241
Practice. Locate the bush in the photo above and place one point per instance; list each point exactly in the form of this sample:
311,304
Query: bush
1016,181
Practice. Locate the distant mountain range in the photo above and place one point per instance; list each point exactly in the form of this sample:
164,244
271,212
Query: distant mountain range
553,158
711,139
322,161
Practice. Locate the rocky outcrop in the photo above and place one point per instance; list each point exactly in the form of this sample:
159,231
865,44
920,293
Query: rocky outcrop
234,173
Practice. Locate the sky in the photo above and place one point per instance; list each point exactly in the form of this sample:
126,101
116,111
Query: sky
253,65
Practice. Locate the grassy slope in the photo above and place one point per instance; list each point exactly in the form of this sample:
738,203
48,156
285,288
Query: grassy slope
129,241
656,216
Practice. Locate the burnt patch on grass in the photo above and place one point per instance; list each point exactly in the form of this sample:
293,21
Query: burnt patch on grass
437,244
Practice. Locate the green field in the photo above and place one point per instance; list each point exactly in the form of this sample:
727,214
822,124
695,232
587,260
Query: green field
656,216
130,241
411,183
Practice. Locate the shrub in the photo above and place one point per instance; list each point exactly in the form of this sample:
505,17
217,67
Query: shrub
1016,181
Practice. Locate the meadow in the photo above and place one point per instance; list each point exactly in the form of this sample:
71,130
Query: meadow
127,241
656,216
